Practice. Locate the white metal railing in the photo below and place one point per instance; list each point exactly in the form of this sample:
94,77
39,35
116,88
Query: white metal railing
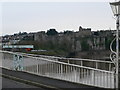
61,70
98,64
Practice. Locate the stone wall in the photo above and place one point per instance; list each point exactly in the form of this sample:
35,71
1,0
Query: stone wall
74,41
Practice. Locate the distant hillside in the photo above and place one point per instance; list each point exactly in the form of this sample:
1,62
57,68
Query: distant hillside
67,43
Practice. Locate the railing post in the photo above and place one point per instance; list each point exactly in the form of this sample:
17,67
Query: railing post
75,71
68,61
81,63
114,78
109,66
93,77
37,68
61,69
96,65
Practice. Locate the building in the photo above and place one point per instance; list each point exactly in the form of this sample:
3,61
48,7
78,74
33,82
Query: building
83,32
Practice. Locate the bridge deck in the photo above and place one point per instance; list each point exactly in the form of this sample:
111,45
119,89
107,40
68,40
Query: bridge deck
58,84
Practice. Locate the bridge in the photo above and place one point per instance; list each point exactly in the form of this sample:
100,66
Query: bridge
91,73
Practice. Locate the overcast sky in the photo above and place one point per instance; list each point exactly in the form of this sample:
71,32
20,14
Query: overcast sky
41,16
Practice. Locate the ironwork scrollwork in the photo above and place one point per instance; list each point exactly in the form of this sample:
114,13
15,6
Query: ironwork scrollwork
113,53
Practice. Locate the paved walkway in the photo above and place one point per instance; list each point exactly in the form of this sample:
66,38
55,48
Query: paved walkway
8,83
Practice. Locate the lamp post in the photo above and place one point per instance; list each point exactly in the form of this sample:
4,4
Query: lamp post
116,11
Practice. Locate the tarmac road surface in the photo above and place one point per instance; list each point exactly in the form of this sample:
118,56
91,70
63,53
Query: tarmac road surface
8,83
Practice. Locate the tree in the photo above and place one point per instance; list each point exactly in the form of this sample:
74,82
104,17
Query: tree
84,45
51,32
68,32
